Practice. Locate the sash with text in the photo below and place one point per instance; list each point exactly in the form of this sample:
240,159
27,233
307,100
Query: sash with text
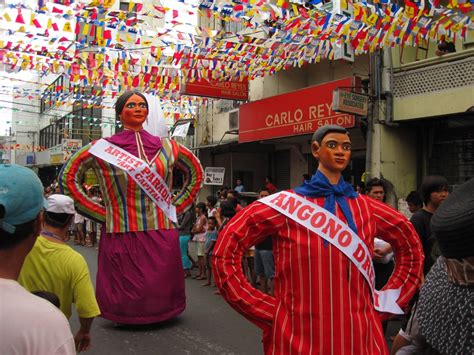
145,177
332,229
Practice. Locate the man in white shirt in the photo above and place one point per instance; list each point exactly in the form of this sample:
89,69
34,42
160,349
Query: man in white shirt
29,324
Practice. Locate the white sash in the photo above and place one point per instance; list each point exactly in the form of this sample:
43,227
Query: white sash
332,229
145,177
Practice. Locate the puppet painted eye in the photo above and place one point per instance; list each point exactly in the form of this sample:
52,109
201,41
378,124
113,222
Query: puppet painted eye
131,105
331,144
142,105
347,146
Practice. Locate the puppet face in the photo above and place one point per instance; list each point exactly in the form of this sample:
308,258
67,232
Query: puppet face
334,153
134,113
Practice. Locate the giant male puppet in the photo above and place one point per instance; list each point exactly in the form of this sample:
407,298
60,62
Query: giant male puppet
140,276
323,238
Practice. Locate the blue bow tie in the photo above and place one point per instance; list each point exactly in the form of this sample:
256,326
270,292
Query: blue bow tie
319,186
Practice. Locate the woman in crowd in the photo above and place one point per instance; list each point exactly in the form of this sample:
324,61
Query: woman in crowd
199,236
186,222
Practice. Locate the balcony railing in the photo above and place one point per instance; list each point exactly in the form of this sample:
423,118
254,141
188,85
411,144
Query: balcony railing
454,70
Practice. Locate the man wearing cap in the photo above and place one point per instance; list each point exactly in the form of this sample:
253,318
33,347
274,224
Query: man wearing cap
323,238
29,324
55,267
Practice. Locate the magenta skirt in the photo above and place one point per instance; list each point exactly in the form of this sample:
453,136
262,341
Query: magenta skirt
140,277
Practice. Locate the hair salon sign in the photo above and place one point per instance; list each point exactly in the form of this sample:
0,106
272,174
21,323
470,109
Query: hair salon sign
295,113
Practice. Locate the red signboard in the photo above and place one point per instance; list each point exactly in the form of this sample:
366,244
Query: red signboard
296,113
230,90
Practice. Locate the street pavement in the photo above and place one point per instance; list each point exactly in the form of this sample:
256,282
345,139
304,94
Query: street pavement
207,326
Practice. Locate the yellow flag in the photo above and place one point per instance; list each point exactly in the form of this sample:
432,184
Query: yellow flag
295,9
50,24
108,3
7,17
372,19
99,32
447,23
85,29
67,27
130,6
457,27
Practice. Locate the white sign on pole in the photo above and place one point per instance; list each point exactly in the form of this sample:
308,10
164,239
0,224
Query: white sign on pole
181,130
71,145
350,102
214,176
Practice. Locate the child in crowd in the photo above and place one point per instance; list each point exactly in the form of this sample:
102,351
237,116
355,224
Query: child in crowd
211,202
211,238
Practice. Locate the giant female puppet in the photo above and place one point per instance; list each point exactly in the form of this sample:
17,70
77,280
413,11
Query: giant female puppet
140,276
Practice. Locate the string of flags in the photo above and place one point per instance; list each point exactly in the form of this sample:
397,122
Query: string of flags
94,45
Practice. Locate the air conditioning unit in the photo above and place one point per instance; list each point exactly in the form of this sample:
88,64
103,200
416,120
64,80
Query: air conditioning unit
234,120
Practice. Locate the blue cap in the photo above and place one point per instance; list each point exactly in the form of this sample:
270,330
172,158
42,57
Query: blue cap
21,194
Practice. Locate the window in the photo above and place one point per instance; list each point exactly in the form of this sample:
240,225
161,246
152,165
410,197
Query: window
227,105
54,93
83,122
124,6
231,26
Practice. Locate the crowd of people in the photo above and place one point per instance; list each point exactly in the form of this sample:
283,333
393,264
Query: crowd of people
199,228
266,259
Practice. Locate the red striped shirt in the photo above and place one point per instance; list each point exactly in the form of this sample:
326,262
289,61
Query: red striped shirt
322,304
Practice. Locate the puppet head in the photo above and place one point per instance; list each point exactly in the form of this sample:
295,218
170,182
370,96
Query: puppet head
132,109
331,146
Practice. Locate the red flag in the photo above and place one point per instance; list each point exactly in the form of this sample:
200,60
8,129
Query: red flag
466,7
36,23
303,12
136,81
19,17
